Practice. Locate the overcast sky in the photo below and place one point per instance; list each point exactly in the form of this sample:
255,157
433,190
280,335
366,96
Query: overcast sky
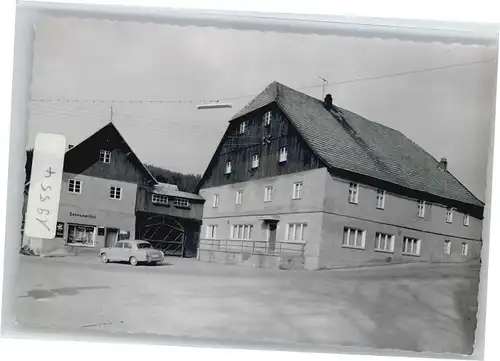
448,111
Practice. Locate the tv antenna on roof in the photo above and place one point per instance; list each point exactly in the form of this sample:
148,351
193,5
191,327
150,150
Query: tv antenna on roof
325,82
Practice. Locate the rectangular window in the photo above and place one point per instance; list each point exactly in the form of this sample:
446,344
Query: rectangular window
295,232
81,235
255,161
354,238
297,190
105,156
215,201
228,167
380,199
211,232
115,193
124,235
181,202
283,154
449,215
267,118
239,196
74,186
447,247
242,127
241,231
353,192
421,209
160,199
384,242
411,246
466,220
465,249
268,194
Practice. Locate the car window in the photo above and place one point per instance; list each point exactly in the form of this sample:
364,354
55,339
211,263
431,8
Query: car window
118,245
143,245
127,245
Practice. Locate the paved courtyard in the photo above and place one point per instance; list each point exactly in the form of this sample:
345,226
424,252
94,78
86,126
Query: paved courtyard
409,307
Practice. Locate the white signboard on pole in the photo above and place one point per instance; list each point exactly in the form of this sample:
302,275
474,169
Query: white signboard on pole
45,185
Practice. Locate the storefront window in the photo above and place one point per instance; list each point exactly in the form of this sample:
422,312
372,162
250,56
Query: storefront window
123,235
81,235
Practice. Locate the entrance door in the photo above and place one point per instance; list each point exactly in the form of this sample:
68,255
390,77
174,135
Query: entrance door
111,237
271,237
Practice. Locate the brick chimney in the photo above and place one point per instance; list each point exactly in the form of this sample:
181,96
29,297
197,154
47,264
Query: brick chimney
328,102
443,164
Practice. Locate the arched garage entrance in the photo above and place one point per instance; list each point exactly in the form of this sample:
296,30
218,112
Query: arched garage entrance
174,236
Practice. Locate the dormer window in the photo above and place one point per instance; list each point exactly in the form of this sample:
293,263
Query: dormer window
267,118
283,154
105,156
255,161
228,167
242,127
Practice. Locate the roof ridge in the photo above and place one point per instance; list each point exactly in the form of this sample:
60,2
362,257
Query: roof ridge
112,125
299,92
134,153
351,132
254,104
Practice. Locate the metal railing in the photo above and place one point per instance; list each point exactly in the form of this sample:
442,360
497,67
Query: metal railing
257,247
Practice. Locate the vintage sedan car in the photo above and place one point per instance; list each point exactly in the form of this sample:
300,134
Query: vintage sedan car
134,252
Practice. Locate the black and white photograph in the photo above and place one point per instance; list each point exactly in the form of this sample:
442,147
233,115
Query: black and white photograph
256,185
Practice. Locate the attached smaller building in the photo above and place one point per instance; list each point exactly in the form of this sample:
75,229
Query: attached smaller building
169,218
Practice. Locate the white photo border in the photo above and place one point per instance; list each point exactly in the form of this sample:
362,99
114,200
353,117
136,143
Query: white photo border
14,107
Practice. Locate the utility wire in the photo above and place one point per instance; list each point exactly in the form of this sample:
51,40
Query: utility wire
128,118
193,101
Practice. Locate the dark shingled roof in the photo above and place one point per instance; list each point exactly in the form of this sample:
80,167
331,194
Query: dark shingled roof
347,141
76,159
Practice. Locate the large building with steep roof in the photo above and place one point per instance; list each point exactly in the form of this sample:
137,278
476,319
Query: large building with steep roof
300,182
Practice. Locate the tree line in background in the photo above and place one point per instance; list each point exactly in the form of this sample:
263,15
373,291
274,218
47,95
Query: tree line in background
185,182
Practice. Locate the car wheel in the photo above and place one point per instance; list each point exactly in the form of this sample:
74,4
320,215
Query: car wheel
104,258
154,263
133,261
